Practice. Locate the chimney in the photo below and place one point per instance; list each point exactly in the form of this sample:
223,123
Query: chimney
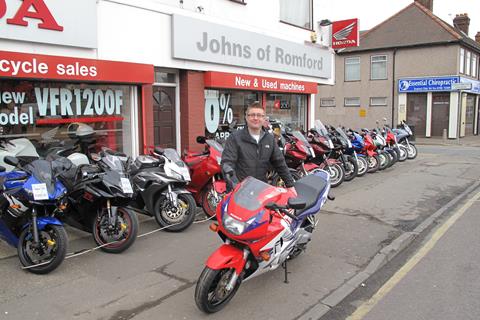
477,37
462,22
426,3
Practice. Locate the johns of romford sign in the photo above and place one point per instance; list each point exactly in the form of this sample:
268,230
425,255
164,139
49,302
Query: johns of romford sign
200,40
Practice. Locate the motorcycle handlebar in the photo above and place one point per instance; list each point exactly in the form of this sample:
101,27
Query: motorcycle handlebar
282,209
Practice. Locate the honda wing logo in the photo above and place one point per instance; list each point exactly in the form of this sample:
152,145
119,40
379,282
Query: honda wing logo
345,34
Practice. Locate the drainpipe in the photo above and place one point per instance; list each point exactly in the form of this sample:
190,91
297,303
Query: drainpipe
393,88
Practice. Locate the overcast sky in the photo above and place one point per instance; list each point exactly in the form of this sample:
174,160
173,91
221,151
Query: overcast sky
373,12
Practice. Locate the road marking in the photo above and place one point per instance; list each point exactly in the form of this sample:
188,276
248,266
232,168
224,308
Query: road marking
366,307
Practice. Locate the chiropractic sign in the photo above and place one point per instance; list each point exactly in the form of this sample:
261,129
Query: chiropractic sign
200,40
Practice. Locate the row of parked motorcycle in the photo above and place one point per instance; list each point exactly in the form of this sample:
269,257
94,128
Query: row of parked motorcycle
99,192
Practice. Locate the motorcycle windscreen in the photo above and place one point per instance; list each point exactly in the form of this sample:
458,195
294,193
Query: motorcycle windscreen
321,128
113,162
215,145
343,137
172,155
42,171
247,196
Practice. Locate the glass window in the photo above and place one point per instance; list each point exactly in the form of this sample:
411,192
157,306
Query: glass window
352,102
298,13
352,69
462,60
164,77
378,101
379,67
290,109
327,102
474,65
45,112
468,63
226,108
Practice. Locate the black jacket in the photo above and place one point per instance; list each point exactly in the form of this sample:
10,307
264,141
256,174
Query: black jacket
249,158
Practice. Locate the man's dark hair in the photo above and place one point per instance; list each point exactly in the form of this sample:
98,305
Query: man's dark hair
254,105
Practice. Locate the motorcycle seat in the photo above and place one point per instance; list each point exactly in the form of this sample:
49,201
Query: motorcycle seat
309,189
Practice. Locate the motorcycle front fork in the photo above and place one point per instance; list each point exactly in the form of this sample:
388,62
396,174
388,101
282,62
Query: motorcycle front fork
234,278
36,237
172,197
112,214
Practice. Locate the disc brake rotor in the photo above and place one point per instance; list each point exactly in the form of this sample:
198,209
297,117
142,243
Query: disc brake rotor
174,216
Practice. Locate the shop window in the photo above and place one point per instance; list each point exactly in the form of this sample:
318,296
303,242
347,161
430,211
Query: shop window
352,102
468,62
45,113
327,102
298,13
290,109
378,101
462,60
378,67
352,69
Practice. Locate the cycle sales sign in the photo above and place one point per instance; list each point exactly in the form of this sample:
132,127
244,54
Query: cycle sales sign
427,84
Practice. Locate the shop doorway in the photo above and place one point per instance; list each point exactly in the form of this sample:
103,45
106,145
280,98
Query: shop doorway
440,113
470,115
417,112
164,117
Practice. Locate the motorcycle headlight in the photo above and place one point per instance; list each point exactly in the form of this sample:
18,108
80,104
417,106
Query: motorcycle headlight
233,225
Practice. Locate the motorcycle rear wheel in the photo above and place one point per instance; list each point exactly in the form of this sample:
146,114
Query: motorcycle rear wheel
211,284
55,253
127,223
180,220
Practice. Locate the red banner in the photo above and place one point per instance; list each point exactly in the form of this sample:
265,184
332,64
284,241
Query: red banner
241,81
345,34
37,66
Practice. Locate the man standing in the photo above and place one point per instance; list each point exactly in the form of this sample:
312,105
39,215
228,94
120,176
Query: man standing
253,151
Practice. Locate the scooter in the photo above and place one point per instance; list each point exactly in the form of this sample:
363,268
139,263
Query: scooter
30,199
262,227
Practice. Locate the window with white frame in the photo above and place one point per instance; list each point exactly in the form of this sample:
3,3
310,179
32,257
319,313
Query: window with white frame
474,65
352,102
378,101
352,69
297,12
378,67
327,102
468,63
462,60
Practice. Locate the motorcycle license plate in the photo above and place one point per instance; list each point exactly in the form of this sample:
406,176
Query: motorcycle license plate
39,191
126,185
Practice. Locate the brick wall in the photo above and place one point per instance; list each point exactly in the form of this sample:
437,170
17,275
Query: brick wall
192,105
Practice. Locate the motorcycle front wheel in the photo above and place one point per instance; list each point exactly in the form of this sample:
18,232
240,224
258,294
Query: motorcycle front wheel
211,294
412,151
119,237
179,218
403,153
209,202
337,174
48,254
373,164
362,166
351,168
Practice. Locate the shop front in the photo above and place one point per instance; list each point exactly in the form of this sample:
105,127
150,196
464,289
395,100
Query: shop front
438,105
44,97
227,96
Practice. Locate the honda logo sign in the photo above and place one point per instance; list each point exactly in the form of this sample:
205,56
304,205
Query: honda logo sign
345,34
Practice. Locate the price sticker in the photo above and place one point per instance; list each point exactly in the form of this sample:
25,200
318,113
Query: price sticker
126,185
40,191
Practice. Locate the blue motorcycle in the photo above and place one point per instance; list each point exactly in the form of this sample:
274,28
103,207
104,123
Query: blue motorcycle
30,197
357,146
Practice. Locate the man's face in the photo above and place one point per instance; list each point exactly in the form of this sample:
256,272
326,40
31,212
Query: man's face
255,118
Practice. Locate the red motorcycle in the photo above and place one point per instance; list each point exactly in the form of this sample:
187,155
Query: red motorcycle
207,184
369,150
262,227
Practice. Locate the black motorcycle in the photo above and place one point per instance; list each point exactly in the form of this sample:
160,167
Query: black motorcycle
97,202
159,182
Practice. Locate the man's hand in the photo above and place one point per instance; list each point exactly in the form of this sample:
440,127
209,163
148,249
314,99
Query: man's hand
292,190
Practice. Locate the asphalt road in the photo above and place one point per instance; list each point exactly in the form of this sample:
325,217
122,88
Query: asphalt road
155,278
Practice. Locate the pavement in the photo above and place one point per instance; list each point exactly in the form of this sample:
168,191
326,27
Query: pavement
371,221
467,141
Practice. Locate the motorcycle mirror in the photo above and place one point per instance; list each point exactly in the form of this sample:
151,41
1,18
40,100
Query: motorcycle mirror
11,161
296,203
158,150
201,139
2,169
95,157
